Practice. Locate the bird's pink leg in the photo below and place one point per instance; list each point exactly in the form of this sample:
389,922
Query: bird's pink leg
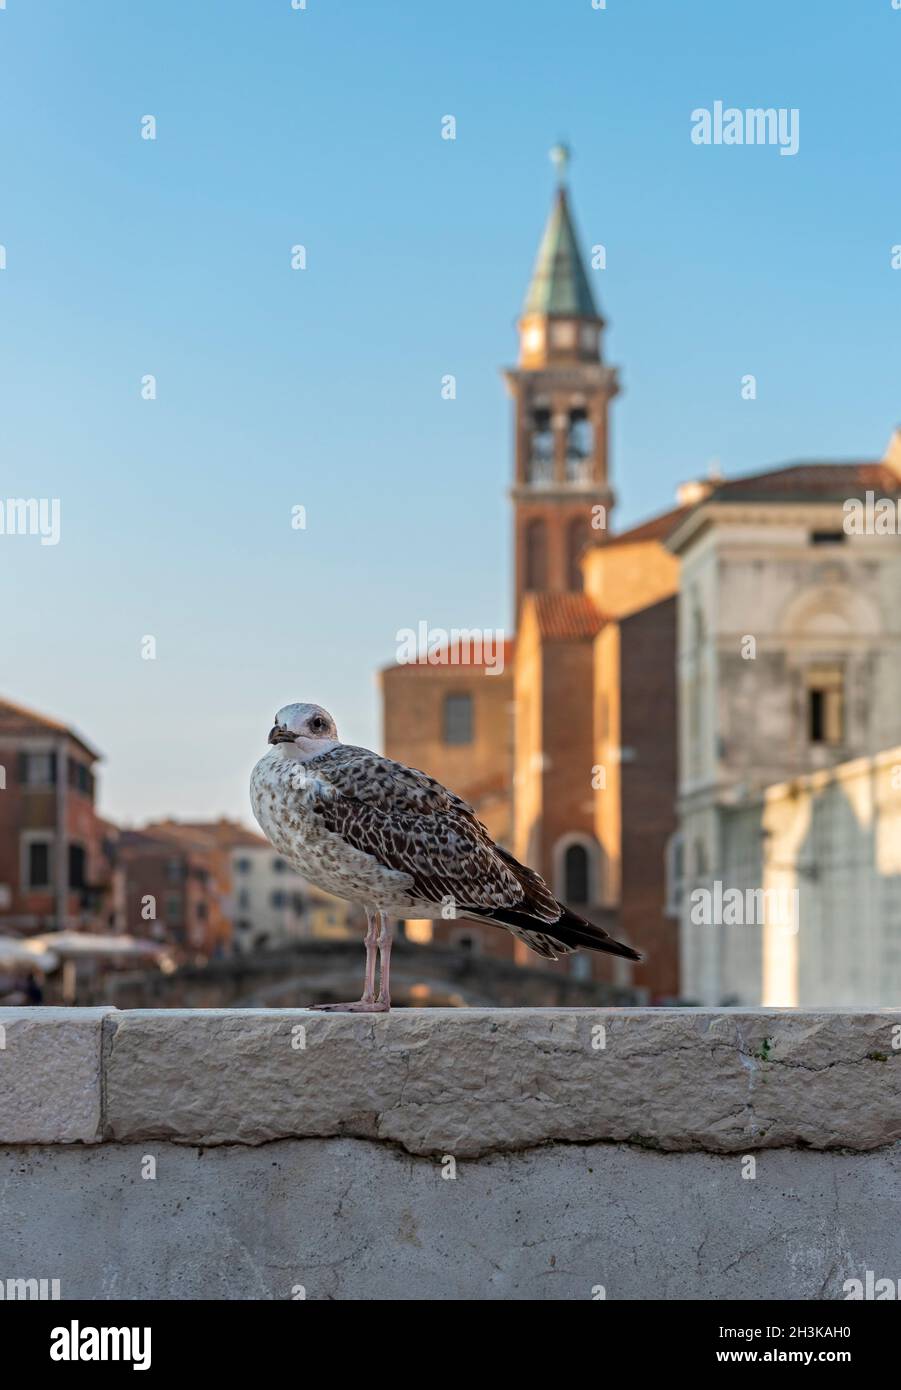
368,1004
384,960
371,944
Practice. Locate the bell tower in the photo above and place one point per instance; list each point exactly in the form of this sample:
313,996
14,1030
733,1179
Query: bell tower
561,391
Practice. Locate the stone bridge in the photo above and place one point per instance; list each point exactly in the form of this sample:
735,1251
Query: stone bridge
323,972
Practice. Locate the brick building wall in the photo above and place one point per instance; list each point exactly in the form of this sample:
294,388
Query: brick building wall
648,795
55,850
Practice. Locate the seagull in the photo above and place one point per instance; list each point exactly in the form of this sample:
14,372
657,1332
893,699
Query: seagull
396,841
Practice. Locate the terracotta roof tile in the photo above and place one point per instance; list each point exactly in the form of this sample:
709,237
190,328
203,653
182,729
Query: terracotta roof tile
221,834
566,617
795,482
657,528
825,482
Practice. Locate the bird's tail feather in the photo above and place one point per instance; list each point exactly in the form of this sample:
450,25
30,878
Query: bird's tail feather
571,931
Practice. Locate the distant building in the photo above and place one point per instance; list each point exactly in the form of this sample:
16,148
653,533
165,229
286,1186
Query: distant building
269,900
789,674
55,850
173,889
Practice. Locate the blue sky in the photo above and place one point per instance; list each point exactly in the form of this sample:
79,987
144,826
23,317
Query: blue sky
321,388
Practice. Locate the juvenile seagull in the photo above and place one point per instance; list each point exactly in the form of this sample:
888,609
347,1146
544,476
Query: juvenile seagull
372,830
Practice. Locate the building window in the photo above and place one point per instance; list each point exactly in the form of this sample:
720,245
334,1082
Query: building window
77,866
38,769
827,537
243,866
825,705
81,778
577,870
458,719
39,864
576,874
277,899
577,537
200,911
174,871
579,447
173,908
279,866
540,466
580,965
244,900
536,555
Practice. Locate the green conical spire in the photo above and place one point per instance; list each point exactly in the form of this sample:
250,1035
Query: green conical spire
559,283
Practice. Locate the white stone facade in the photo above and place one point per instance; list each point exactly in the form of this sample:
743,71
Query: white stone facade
789,666
269,900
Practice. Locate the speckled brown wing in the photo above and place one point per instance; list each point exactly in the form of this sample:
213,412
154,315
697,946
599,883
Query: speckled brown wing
365,776
409,822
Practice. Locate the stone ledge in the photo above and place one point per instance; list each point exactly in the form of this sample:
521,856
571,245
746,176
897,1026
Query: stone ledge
51,1075
465,1082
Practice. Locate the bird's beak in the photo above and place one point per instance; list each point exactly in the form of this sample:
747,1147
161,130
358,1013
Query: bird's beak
277,734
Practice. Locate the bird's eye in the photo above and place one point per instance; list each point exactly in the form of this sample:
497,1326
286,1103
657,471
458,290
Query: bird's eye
317,724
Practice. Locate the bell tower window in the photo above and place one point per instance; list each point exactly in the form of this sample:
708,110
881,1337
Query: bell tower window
564,335
579,447
541,448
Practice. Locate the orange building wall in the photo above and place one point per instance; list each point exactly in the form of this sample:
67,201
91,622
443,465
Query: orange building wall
481,772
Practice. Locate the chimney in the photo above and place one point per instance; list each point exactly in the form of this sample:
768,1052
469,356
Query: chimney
699,489
687,494
892,458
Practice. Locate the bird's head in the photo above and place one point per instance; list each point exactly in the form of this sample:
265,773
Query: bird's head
304,729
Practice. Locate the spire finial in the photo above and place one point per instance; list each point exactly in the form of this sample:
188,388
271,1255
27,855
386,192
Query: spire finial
560,156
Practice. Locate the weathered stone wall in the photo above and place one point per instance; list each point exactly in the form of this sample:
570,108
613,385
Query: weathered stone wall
469,1154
